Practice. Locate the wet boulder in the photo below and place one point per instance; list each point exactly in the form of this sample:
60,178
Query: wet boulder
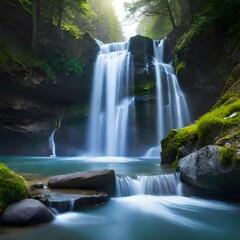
26,212
205,169
98,180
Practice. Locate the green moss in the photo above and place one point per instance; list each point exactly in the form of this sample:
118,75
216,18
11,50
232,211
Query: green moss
226,155
144,89
205,130
231,135
77,112
12,187
175,139
218,119
180,66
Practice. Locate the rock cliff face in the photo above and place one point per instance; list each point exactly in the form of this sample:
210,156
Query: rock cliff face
30,105
204,65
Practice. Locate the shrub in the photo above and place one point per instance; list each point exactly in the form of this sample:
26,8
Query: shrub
12,187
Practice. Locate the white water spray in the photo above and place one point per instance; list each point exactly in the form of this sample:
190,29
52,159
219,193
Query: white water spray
168,184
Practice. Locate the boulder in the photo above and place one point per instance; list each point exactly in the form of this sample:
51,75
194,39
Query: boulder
74,202
26,212
141,44
98,180
203,169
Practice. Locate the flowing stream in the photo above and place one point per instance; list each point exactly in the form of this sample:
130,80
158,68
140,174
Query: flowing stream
153,206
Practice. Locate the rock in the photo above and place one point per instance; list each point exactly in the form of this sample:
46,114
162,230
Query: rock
26,212
98,180
64,202
141,44
37,185
204,169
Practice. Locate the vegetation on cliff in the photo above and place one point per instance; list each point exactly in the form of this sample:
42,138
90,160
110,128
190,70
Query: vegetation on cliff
219,126
211,15
12,187
47,33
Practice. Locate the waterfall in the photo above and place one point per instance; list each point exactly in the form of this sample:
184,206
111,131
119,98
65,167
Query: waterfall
168,184
51,139
172,108
112,107
171,104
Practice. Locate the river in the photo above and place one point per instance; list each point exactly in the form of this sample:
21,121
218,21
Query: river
136,217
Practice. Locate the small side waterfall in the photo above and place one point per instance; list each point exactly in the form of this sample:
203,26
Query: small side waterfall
111,106
168,184
172,108
51,139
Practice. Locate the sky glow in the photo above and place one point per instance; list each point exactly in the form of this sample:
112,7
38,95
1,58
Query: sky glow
129,30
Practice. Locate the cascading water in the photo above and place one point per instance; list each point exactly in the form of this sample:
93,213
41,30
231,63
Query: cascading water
51,139
172,108
111,106
168,184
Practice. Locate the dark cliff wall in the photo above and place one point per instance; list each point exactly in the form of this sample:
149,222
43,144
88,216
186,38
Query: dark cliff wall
30,103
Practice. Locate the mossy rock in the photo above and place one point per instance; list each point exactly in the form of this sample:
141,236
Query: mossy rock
12,187
173,142
212,128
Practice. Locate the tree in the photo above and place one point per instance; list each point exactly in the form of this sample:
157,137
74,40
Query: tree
106,26
149,8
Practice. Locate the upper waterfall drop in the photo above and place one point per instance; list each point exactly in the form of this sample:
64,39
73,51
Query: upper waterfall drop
112,107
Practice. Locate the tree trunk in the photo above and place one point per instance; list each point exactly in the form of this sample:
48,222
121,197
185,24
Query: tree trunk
59,13
170,14
52,7
36,22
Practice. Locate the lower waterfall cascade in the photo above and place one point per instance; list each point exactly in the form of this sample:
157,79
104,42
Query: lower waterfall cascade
162,185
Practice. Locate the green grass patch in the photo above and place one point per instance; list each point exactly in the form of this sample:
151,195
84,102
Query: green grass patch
12,187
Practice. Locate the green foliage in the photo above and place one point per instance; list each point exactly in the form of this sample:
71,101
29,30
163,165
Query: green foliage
74,66
180,66
46,70
224,13
16,60
72,29
144,89
12,187
105,25
157,18
200,25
